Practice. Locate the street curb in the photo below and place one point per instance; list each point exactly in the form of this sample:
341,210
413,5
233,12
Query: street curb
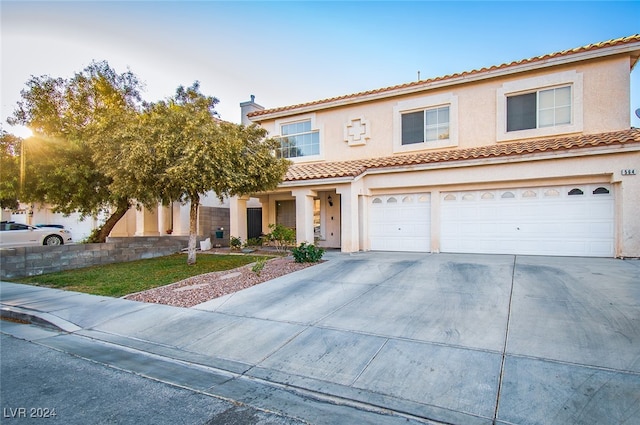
46,320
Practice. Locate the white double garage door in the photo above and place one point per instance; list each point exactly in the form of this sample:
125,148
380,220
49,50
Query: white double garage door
575,220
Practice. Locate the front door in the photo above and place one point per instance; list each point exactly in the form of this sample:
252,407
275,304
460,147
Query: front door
327,220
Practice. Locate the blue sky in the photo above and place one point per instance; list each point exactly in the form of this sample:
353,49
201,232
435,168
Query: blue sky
291,52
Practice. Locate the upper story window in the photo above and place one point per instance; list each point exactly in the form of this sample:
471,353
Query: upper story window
425,123
425,126
298,139
542,108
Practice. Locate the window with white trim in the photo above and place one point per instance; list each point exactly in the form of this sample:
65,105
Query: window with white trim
542,108
298,139
426,123
546,105
425,126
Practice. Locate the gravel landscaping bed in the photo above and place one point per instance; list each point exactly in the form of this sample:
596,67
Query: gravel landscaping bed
198,289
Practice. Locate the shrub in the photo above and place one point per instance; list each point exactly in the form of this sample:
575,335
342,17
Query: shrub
307,253
282,236
253,242
259,265
235,243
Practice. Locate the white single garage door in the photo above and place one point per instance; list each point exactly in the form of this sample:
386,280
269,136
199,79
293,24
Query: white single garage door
400,222
561,220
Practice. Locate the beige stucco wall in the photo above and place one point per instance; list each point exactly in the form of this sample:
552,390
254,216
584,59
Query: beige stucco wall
604,97
607,96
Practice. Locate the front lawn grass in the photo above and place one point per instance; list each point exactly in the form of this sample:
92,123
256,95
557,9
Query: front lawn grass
117,280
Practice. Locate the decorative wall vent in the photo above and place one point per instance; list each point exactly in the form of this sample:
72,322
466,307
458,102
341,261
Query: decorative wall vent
357,131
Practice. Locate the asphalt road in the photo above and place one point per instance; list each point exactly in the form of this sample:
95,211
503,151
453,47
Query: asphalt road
39,385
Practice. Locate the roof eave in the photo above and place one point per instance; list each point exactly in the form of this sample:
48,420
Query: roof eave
455,80
317,181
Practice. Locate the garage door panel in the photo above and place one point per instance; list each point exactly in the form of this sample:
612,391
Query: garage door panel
577,211
417,230
536,221
601,247
601,230
467,213
550,228
601,209
400,223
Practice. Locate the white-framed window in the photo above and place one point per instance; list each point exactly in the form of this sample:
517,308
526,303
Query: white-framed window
540,106
298,139
426,123
425,126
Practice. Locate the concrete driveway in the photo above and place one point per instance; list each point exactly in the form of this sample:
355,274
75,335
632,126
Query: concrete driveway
463,338
459,339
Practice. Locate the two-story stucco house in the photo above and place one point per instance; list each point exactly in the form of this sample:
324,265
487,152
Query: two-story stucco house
531,157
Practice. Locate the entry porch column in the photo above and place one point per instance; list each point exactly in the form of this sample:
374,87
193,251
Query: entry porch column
304,215
266,213
238,217
349,218
165,218
147,222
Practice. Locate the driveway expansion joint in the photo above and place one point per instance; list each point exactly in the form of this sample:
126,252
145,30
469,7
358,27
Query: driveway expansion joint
506,339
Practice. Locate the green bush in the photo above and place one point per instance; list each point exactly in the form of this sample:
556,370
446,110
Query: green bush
259,265
235,243
281,236
253,242
307,253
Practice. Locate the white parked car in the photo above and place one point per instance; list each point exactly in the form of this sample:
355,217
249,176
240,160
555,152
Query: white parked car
18,234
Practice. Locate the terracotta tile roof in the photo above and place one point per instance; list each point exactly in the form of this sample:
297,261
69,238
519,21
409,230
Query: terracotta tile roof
587,48
326,170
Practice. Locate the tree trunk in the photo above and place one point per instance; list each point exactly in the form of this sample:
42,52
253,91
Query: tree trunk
193,229
100,235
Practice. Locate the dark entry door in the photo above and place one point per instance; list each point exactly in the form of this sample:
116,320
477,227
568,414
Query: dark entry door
254,222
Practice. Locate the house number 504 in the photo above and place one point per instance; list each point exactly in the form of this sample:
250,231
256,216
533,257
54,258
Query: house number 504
629,172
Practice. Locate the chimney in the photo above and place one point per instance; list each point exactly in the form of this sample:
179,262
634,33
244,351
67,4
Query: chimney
248,107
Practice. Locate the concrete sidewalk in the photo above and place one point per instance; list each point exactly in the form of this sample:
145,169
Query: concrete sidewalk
383,338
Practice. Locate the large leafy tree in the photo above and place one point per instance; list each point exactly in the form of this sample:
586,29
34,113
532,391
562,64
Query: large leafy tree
97,147
70,120
181,151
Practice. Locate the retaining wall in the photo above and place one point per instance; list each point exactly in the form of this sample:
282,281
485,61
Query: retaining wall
37,260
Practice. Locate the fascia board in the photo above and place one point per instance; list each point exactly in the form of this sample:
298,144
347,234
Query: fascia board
317,182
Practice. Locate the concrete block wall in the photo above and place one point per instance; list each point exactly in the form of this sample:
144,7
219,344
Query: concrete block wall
37,260
211,219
